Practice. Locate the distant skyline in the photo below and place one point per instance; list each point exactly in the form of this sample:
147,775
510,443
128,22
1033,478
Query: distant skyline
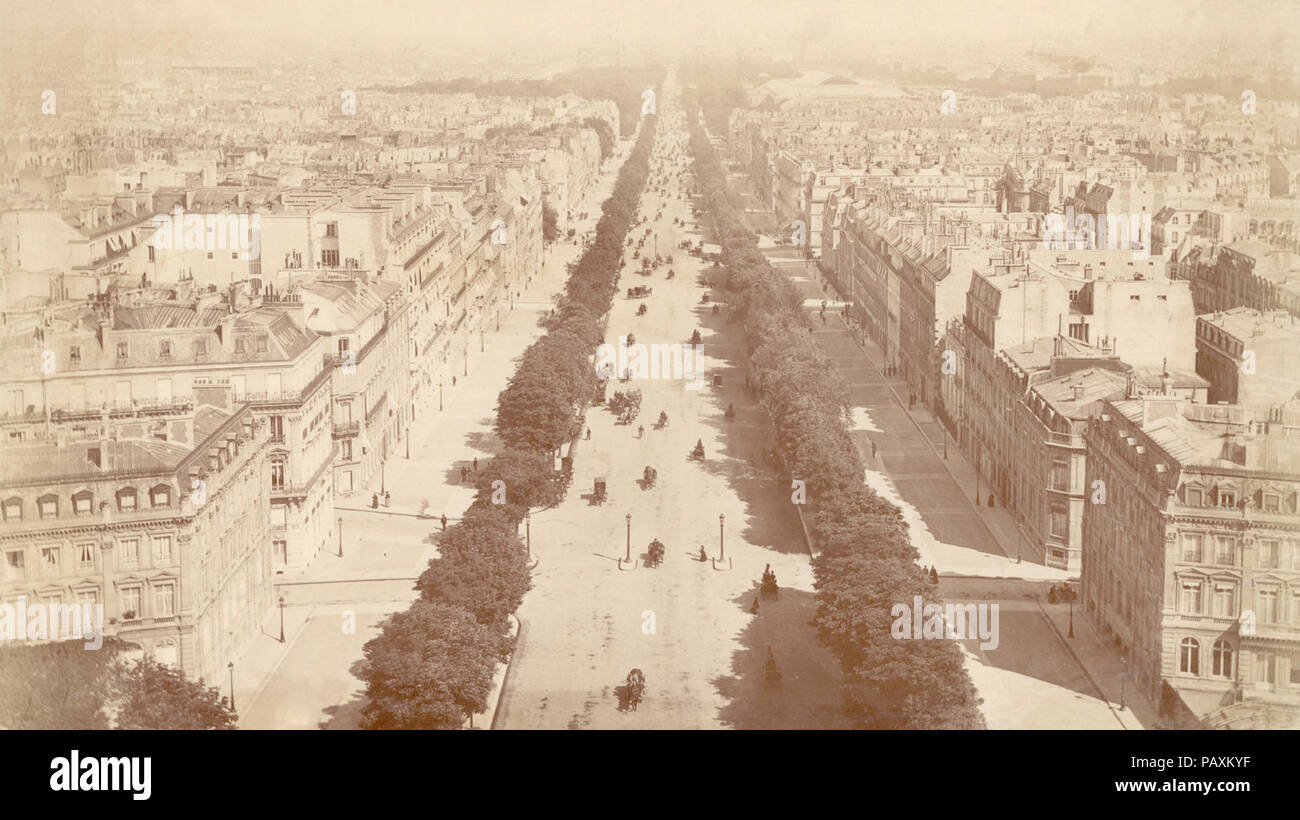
560,28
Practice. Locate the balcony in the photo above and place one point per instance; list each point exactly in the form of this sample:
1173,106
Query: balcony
343,429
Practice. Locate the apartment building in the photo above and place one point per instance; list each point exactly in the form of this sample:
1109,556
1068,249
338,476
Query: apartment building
1192,564
1249,357
161,519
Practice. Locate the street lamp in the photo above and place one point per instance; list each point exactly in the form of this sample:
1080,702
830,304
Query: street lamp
629,538
408,440
480,339
281,619
340,536
439,395
1071,599
722,549
231,667
383,488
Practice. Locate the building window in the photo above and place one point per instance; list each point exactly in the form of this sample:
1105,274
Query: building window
1058,526
277,474
128,551
1222,659
49,506
329,258
280,550
1060,474
74,354
123,350
1265,666
1268,554
1191,597
1266,606
1189,657
16,563
1225,551
164,600
239,347
88,597
126,500
1227,499
13,509
165,350
200,348
83,503
1225,601
279,517
130,603
50,560
347,450
162,549
277,428
343,346
1272,503
1192,548
160,496
86,555
261,344
1195,498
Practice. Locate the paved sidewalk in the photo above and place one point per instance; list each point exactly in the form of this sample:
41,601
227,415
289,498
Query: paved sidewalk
384,550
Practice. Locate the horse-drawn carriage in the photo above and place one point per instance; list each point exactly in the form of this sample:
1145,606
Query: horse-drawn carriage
639,292
695,337
598,491
655,554
641,310
632,691
697,454
771,671
768,585
649,476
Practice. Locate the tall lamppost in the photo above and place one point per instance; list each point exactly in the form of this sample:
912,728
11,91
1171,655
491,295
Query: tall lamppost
439,395
383,488
231,667
408,440
629,538
722,549
480,339
340,522
1071,599
281,619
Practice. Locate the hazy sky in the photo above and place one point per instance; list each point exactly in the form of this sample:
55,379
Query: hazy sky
570,26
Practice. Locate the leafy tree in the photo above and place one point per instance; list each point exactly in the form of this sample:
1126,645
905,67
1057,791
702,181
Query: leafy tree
530,481
430,667
482,567
157,696
59,685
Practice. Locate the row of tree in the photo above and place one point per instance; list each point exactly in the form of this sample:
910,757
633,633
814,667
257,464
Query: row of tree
432,665
867,563
63,685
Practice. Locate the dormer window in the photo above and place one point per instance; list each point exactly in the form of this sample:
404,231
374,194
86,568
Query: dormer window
13,509
74,354
123,350
160,496
165,349
1227,499
48,506
83,503
126,500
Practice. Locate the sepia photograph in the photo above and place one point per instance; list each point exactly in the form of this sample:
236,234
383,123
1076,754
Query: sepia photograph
600,365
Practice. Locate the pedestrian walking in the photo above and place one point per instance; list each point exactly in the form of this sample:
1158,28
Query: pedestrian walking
444,521
453,381
873,448
388,499
588,434
476,464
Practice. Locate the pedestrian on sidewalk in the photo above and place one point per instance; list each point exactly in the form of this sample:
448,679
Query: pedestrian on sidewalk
588,434
444,521
873,448
476,464
388,498
911,401
453,381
